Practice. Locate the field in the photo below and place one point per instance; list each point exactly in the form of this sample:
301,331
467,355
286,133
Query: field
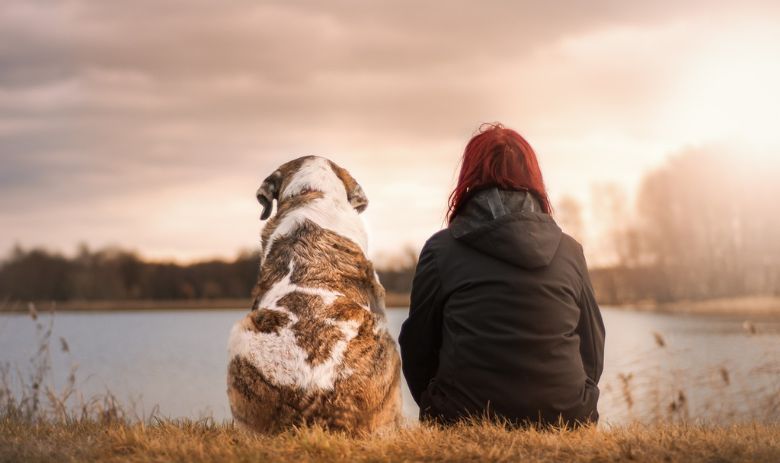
40,421
93,440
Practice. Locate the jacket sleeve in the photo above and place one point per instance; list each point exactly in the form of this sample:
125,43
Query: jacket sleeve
420,337
591,330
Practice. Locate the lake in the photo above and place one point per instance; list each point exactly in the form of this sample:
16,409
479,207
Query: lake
656,365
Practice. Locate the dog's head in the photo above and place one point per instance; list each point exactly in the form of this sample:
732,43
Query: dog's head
310,173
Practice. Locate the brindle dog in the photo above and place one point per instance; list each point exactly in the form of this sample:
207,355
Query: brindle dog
315,348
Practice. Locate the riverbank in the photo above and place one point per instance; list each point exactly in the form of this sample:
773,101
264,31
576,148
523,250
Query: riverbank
751,306
205,441
748,306
167,440
393,300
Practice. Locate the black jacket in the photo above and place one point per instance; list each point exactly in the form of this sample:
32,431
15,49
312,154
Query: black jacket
503,319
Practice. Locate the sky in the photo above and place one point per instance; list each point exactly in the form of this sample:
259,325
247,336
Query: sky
149,125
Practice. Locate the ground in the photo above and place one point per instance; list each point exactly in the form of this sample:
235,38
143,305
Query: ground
204,441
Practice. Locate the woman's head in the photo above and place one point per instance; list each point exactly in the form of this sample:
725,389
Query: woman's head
498,157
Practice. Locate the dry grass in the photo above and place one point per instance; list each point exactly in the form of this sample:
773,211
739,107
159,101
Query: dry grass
205,441
39,422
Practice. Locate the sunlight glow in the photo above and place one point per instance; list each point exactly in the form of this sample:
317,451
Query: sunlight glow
729,93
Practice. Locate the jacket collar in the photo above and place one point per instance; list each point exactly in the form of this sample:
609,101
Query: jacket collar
508,225
490,204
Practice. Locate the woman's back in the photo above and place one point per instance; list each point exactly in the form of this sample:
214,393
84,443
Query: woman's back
503,318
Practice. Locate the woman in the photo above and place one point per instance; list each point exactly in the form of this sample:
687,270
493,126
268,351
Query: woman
503,321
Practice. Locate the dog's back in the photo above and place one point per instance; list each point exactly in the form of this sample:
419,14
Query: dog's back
314,349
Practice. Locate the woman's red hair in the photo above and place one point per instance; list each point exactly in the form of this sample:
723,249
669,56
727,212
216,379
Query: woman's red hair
499,157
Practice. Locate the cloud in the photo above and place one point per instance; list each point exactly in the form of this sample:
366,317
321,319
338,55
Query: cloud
113,113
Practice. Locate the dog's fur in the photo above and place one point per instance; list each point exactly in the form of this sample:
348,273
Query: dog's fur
314,349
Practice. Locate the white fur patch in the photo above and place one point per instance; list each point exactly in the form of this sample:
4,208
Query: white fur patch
315,174
279,357
331,212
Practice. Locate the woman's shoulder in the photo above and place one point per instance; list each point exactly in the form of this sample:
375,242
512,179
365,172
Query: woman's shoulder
436,246
570,244
574,252
439,240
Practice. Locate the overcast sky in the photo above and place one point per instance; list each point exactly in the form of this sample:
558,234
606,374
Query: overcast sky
150,124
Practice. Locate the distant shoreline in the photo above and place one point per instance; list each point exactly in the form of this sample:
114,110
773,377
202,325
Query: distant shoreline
393,300
764,306
133,305
754,306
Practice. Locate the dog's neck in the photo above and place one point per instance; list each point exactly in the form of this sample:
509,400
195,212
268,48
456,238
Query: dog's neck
315,175
328,211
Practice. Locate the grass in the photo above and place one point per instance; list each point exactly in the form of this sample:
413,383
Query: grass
41,422
204,441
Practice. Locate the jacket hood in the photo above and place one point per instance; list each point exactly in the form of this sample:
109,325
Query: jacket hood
508,225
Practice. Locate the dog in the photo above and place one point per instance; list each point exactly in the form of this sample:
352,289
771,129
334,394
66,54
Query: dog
314,349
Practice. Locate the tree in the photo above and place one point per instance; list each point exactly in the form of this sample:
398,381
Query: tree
568,213
709,225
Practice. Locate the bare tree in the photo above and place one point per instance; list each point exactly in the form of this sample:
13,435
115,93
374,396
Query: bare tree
709,223
611,210
568,214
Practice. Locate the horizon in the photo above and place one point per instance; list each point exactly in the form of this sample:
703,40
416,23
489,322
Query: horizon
158,145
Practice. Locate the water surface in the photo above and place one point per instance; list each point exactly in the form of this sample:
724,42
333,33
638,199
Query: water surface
177,360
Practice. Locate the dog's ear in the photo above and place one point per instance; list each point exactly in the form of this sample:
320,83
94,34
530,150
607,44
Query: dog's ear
357,198
355,195
269,191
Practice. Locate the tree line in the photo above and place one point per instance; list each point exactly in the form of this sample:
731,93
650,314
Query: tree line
117,274
703,226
